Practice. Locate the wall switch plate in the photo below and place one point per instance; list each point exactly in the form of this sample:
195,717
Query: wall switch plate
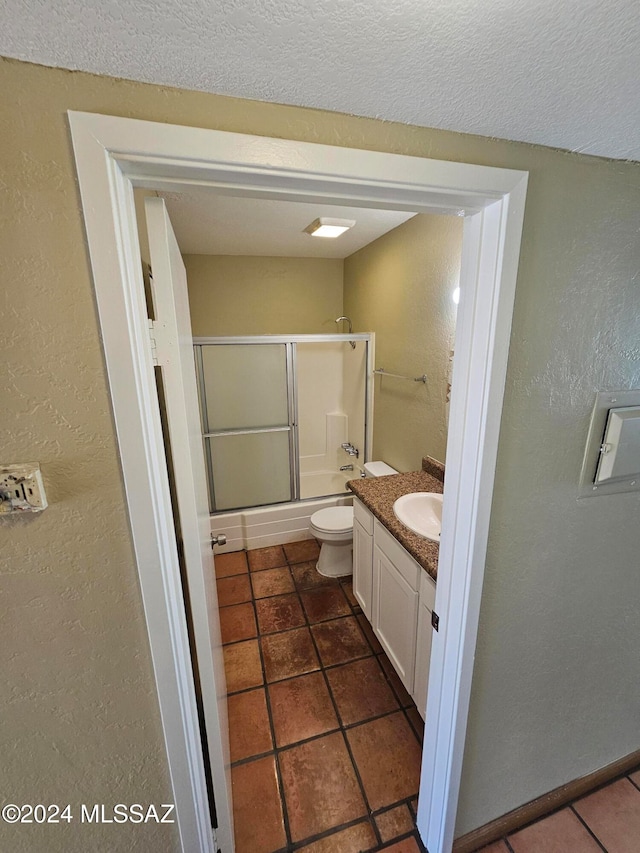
606,406
21,488
620,450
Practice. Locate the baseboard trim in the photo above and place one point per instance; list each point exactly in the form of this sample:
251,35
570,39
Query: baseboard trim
544,805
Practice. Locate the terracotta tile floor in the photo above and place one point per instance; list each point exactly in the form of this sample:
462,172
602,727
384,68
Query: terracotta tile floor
325,742
606,820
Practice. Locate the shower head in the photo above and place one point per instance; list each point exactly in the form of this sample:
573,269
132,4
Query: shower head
339,320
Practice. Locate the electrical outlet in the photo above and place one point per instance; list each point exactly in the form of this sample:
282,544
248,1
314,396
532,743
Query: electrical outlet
21,488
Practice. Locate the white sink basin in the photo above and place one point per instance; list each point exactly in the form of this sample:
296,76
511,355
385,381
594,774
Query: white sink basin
421,512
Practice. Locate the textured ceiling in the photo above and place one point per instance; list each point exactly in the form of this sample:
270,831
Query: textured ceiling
556,73
207,223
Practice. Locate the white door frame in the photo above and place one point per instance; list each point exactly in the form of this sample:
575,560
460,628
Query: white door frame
114,154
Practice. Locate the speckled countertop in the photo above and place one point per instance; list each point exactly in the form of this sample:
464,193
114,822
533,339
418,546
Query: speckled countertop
378,494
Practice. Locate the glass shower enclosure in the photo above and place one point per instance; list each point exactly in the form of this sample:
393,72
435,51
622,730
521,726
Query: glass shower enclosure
275,412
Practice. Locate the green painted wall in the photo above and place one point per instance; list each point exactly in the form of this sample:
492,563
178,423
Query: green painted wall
555,681
238,295
400,286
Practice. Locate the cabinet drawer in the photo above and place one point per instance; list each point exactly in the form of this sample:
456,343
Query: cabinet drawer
401,559
363,516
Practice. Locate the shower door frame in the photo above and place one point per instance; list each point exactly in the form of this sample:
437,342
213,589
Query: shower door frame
292,399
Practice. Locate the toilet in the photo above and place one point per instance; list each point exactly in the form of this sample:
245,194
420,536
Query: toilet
333,528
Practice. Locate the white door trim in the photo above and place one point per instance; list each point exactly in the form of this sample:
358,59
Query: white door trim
114,153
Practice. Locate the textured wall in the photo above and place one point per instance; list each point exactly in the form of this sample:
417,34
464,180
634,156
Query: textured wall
524,72
237,295
80,719
400,287
557,666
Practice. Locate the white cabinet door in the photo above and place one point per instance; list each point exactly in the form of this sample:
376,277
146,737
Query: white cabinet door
362,567
395,611
423,658
423,642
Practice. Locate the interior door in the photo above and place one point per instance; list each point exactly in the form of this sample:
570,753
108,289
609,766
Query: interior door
178,391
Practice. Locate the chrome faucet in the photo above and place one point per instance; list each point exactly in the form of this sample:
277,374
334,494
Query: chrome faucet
346,467
350,449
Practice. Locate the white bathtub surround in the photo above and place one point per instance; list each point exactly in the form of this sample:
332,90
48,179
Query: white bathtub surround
319,483
331,430
320,473
331,411
270,525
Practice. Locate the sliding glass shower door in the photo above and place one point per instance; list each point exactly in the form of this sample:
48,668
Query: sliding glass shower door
277,412
248,418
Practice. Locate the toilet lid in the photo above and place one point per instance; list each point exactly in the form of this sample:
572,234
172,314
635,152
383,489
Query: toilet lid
334,519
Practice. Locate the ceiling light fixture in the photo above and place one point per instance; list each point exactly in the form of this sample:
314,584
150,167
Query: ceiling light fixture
326,227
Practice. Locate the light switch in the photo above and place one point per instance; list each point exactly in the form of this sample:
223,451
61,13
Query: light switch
620,451
21,488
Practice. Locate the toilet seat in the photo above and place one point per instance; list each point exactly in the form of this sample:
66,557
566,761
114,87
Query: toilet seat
334,519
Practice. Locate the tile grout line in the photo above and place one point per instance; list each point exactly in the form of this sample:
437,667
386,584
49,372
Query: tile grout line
266,695
276,749
635,784
571,807
556,810
403,708
411,726
283,803
354,612
348,727
328,833
405,801
273,595
265,687
291,677
369,815
384,845
370,819
587,827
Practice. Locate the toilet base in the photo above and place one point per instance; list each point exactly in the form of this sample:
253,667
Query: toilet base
335,560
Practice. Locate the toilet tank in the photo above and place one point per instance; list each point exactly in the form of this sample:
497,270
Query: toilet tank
378,469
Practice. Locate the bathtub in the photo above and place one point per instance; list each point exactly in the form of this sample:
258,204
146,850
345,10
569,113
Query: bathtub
279,523
318,483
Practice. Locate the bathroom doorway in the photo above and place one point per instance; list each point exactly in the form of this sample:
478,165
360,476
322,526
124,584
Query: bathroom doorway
292,639
307,679
491,246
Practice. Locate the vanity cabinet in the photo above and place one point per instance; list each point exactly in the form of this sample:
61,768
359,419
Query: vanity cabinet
397,596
